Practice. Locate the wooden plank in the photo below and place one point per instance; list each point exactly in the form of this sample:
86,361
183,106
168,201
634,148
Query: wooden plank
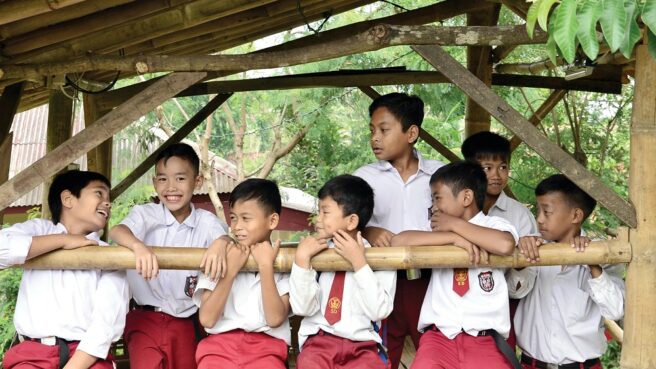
557,83
5,163
379,258
375,38
92,136
638,351
544,109
181,133
514,121
11,96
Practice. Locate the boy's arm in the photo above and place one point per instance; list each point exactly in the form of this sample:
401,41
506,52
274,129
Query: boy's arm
378,237
146,260
608,290
424,238
500,241
276,307
520,282
304,289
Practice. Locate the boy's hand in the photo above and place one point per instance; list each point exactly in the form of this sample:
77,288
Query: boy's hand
379,237
528,246
214,258
73,241
476,254
350,249
146,261
442,222
580,243
237,257
265,254
307,248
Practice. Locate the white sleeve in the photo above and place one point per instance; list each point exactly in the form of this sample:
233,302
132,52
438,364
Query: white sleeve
503,225
304,291
15,242
215,227
137,221
376,292
608,291
520,282
203,284
108,317
528,225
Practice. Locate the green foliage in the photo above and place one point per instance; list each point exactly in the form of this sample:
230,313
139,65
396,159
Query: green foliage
9,283
576,23
611,358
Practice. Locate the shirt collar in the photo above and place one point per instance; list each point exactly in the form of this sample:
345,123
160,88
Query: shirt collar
502,202
169,219
61,229
478,218
385,165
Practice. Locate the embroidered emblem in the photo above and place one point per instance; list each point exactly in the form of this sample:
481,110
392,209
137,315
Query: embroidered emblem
190,285
486,281
461,275
334,303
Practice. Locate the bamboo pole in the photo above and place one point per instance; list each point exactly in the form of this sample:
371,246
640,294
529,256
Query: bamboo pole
377,37
615,330
638,351
379,258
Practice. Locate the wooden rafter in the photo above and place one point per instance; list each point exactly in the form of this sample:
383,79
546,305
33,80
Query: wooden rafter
514,121
540,113
92,136
181,133
11,96
375,38
14,10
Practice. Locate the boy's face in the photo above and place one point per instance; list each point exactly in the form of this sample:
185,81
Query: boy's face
444,201
174,183
91,210
250,223
497,171
557,220
388,141
331,219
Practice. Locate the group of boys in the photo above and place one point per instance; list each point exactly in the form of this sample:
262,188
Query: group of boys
457,318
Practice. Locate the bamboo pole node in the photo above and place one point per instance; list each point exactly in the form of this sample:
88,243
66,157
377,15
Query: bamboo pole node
140,66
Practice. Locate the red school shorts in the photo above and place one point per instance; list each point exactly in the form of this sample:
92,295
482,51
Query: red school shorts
239,349
326,351
35,355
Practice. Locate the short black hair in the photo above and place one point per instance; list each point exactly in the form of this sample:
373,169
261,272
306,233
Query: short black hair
73,181
486,145
461,175
409,110
573,194
352,194
182,151
266,193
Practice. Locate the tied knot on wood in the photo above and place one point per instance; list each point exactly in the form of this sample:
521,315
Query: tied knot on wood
379,34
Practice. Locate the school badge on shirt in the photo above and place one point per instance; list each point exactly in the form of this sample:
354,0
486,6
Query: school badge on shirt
486,281
190,285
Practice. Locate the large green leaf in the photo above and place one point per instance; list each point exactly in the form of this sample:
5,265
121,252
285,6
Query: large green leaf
631,28
543,12
588,16
552,48
532,17
565,28
613,19
651,39
649,14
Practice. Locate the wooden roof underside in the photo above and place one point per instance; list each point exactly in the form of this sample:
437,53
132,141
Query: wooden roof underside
32,33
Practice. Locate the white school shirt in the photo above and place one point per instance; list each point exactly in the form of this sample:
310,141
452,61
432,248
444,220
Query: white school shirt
484,306
154,225
244,308
516,213
559,319
77,305
400,206
368,297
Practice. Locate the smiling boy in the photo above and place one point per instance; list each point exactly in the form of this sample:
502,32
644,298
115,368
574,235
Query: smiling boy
246,313
160,328
342,310
65,318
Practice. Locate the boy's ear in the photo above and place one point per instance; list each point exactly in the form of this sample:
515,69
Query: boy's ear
273,221
577,215
413,133
352,222
66,198
467,197
199,181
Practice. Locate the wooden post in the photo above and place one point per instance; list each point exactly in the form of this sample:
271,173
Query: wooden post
8,105
60,128
91,137
99,159
5,163
638,350
479,62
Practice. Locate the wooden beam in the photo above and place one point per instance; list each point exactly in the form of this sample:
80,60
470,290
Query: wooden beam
519,7
5,164
514,121
423,134
13,10
544,109
379,258
11,96
90,137
638,352
558,83
60,129
181,133
377,37
480,64
99,159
